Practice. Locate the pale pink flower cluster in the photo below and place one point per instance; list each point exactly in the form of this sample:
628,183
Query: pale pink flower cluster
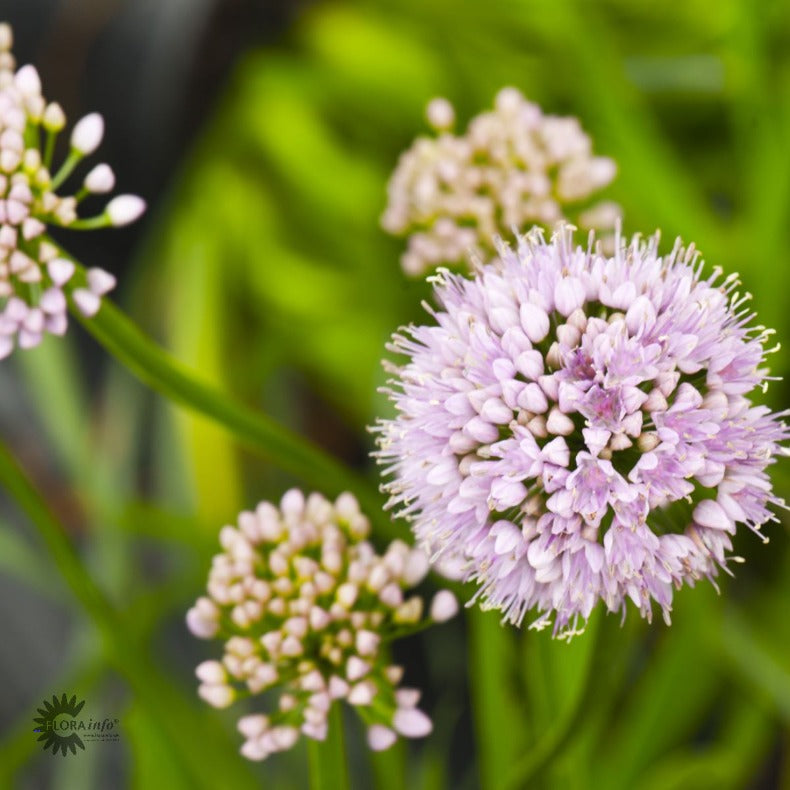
513,168
575,427
35,275
305,604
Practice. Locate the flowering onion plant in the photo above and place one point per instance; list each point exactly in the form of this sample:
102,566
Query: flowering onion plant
576,424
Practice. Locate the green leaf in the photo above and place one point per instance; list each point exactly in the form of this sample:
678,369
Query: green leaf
497,699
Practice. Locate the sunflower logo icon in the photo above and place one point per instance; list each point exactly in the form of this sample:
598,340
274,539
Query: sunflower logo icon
56,723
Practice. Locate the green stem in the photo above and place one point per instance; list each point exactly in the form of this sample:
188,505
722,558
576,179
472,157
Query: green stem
328,767
497,702
49,149
284,448
570,720
90,223
66,169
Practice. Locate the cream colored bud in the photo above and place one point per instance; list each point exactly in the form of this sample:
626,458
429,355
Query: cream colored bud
53,119
347,594
218,696
409,612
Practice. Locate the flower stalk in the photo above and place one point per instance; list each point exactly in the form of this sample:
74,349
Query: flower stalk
289,451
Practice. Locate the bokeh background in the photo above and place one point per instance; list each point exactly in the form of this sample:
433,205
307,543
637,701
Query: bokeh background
262,135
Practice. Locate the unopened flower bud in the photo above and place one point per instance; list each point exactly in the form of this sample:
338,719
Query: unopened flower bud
124,209
380,737
218,696
412,723
100,180
443,606
54,119
87,134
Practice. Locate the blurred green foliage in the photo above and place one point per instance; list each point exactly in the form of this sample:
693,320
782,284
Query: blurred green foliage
267,273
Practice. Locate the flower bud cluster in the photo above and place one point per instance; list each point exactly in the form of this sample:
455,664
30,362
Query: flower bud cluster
513,168
34,275
306,605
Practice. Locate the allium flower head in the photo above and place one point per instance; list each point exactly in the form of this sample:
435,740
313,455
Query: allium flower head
34,273
514,167
576,427
306,605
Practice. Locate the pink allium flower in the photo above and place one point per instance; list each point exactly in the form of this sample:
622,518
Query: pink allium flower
576,427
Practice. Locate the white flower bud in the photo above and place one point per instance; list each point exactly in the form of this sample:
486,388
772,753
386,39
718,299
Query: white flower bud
356,668
394,674
391,596
240,617
60,270
407,698
648,442
53,301
416,567
200,626
412,723
53,119
292,503
254,749
314,716
292,646
124,209
29,339
32,227
317,732
284,737
321,701
253,726
100,282
332,560
278,563
319,618
338,688
6,37
87,134
297,626
344,638
367,642
88,303
380,737
27,81
313,681
347,594
443,606
100,180
559,423
409,612
362,693
346,506
379,576
440,114
620,442
218,696
211,672
287,702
